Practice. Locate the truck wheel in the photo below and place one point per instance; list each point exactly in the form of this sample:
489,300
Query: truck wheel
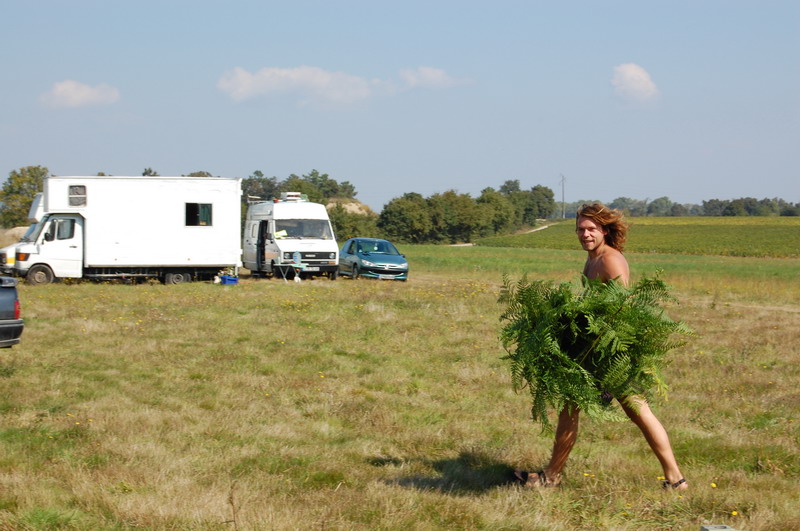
180,277
355,272
39,275
333,275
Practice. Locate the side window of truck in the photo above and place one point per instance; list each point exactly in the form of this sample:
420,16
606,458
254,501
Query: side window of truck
198,214
77,195
65,229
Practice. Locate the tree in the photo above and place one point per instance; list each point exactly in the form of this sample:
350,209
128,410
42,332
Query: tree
348,225
324,184
258,186
294,183
735,208
631,207
406,219
542,201
149,172
510,187
455,217
678,210
660,206
199,174
347,190
499,211
18,192
714,207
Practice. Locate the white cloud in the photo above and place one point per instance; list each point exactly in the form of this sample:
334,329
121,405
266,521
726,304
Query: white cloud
427,77
633,82
70,94
316,84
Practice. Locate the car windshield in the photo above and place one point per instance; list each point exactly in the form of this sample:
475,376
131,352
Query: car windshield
378,247
318,229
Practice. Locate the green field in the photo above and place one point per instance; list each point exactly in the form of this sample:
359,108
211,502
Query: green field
718,236
379,405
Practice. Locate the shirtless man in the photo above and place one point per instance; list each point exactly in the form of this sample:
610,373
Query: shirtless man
602,233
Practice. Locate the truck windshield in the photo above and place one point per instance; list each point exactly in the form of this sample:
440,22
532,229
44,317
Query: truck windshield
31,233
317,229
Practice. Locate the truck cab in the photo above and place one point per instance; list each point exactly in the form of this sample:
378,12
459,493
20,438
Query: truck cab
55,250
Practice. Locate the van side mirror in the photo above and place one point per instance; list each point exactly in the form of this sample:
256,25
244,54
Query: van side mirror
48,236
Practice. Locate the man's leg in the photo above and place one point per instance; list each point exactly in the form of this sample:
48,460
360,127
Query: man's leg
566,435
655,434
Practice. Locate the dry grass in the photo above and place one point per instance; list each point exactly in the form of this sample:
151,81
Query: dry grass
366,405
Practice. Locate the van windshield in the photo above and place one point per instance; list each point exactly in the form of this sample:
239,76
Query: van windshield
317,229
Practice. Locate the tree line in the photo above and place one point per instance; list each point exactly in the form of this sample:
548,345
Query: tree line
446,217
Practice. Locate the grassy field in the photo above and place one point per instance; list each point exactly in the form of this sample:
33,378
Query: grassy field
376,405
719,236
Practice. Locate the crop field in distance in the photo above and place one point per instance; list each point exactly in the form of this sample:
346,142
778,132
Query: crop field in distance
720,236
387,405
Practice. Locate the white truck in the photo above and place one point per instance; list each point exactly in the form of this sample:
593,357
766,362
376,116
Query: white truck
174,229
289,236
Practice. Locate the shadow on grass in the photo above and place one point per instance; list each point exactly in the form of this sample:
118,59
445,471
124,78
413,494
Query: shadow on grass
470,473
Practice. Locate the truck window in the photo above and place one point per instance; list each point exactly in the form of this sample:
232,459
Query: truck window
198,214
77,195
64,229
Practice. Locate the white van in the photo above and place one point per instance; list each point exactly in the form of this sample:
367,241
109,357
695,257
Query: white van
289,236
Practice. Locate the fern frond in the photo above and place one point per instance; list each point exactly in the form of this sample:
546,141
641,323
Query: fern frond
567,343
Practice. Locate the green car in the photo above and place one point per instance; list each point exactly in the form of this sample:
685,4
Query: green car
374,258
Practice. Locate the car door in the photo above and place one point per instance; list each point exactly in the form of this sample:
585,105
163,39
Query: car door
346,257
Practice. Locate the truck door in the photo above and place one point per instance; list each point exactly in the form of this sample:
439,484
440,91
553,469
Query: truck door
249,245
263,235
61,245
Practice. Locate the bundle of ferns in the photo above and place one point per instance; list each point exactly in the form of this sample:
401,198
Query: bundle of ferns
578,345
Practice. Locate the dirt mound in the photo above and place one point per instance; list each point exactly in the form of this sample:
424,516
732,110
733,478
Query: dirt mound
9,236
352,206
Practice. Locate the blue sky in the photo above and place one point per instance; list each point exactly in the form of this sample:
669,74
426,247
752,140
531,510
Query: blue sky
691,100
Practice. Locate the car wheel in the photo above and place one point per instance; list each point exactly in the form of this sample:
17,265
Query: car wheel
39,275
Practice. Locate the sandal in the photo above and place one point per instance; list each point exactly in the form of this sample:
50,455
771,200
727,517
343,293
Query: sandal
524,478
675,485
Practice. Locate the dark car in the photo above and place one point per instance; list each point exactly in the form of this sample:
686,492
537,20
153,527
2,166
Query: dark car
371,257
10,323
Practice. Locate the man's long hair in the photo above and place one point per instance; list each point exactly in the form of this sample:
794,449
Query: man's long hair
610,219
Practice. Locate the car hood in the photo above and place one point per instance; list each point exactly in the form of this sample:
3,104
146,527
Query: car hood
378,258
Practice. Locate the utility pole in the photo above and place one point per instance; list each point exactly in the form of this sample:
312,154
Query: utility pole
563,205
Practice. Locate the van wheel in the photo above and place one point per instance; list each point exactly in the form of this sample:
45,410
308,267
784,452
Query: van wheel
355,272
39,275
333,275
179,277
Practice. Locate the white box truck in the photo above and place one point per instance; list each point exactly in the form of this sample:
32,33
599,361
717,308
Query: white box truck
289,236
175,229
